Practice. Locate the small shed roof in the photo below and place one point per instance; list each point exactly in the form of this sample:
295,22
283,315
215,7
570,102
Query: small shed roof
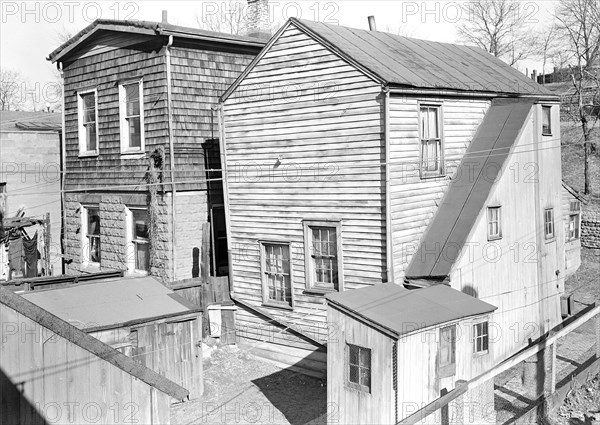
112,303
402,311
11,121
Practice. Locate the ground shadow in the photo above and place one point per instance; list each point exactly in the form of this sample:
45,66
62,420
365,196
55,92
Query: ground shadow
14,407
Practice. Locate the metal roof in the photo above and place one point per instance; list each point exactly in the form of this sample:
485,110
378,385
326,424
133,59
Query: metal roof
151,28
466,196
110,303
410,62
11,121
402,311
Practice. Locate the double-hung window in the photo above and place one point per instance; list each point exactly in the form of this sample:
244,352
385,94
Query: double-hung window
140,239
480,338
91,232
87,108
358,360
430,132
546,121
574,220
494,223
276,274
323,256
549,223
131,111
447,351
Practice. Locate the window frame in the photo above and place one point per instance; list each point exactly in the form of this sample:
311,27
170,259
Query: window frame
549,109
446,370
490,236
574,213
549,236
263,272
424,174
81,129
124,136
86,257
485,337
358,385
132,242
308,261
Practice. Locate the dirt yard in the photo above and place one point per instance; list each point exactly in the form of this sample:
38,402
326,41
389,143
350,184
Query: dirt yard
239,389
582,405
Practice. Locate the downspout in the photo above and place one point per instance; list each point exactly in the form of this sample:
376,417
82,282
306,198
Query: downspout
63,170
388,197
171,157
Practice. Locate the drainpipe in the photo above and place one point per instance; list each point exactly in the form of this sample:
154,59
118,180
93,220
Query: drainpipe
171,155
388,197
63,169
225,182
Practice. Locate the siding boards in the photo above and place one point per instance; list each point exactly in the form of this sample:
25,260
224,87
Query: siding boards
325,119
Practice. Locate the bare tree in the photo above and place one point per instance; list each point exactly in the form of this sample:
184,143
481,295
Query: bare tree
579,28
231,17
500,27
547,47
10,89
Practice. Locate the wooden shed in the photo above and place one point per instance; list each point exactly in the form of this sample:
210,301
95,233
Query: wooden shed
139,317
392,351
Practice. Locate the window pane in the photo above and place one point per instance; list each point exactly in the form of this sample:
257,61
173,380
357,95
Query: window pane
142,256
94,243
424,124
433,123
140,224
135,134
353,374
546,119
365,377
277,269
90,130
353,354
132,99
89,107
93,215
365,357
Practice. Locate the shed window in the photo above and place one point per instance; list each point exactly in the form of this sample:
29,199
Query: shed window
549,223
88,123
132,117
91,222
277,274
494,223
574,220
447,351
546,121
322,255
359,367
480,338
431,141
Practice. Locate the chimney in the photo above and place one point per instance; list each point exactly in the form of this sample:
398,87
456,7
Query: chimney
258,19
372,26
534,75
164,17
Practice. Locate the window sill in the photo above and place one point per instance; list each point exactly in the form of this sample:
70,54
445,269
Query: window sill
88,154
318,291
550,240
481,353
282,306
494,238
547,134
358,388
133,154
432,176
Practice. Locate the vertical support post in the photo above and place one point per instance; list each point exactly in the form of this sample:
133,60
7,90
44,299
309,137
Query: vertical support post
205,253
553,368
47,241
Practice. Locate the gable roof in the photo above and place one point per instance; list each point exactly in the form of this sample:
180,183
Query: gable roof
30,121
91,344
405,62
401,311
151,28
446,234
112,303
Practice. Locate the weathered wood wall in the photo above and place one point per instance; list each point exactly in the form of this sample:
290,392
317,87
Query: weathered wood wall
325,120
60,382
573,246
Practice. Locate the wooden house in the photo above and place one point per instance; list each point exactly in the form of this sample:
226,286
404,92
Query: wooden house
53,372
356,157
396,350
140,144
139,317
30,184
571,207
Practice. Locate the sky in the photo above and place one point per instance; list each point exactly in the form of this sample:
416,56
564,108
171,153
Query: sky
29,31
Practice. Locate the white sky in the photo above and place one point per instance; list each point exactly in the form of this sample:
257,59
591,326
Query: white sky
29,31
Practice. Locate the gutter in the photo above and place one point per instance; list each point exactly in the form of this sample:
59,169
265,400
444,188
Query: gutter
171,155
389,258
469,94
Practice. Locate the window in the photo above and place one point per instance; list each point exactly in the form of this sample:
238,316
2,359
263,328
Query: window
88,123
131,110
323,261
91,232
480,338
574,222
494,224
359,367
447,351
549,223
3,198
546,121
140,240
276,274
431,141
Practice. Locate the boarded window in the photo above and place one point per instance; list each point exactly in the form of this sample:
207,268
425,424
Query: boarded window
549,223
494,223
92,217
132,117
359,367
322,255
574,220
88,137
140,239
546,121
447,351
480,337
431,141
277,274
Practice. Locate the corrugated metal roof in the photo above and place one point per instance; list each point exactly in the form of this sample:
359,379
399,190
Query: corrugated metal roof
105,303
466,196
31,121
411,62
153,28
404,311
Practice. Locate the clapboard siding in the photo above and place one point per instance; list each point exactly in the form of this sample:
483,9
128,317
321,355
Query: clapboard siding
572,246
414,201
325,119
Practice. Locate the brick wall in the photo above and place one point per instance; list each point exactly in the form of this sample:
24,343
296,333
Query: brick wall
590,232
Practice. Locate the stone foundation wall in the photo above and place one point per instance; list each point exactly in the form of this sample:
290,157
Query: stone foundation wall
590,232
